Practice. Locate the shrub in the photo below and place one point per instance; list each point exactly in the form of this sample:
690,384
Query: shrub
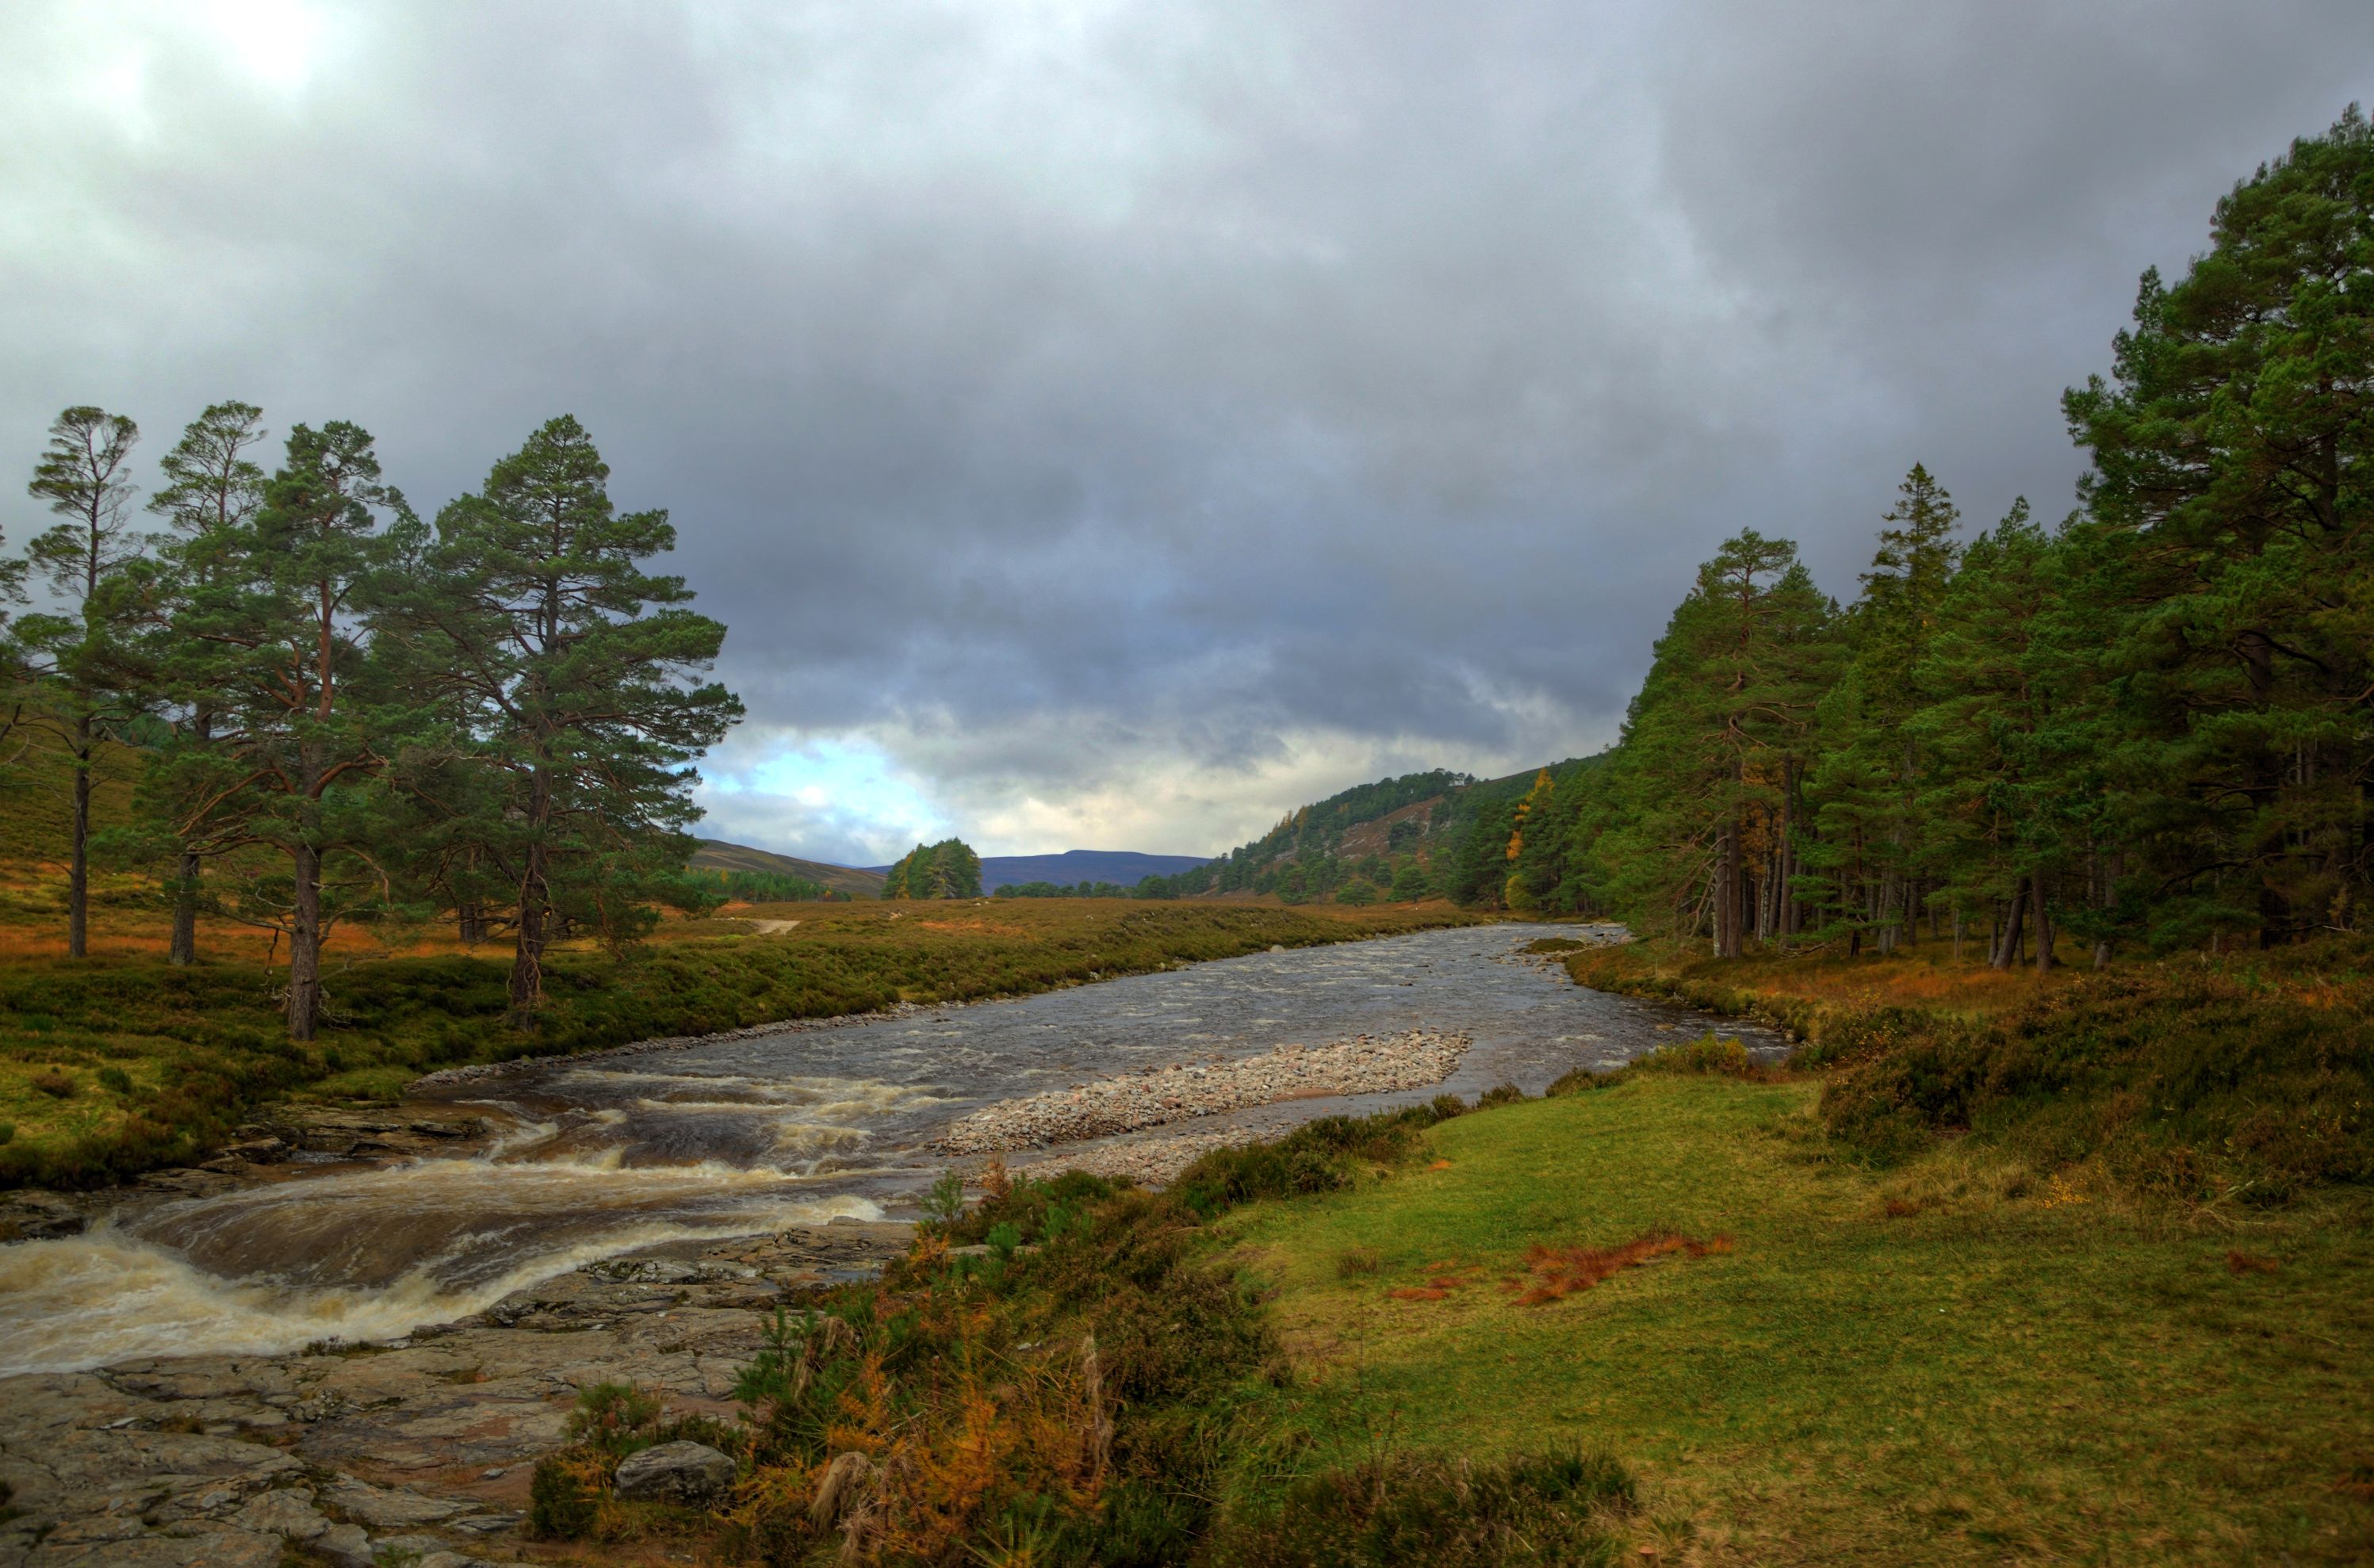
56,1084
565,1495
116,1079
1708,1053
944,1205
1499,1094
1581,1079
1405,1508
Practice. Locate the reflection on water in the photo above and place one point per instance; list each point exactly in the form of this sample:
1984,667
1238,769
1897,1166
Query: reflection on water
748,1135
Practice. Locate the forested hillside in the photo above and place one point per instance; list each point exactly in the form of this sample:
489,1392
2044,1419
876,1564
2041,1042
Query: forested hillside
1421,836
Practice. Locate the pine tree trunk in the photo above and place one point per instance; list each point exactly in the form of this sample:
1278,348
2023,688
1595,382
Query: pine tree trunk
78,865
535,897
2043,924
2006,953
1726,895
185,948
305,945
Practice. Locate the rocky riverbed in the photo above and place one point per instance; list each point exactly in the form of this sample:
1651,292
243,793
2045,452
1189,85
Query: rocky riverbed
416,1449
1364,1065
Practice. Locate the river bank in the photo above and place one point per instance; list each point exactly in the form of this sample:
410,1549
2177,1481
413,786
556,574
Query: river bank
122,1064
419,1445
392,1231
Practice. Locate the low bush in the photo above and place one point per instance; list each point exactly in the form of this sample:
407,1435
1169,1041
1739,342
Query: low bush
1708,1053
1554,1507
569,1496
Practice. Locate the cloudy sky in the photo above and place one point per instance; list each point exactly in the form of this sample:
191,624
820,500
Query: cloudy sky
1111,425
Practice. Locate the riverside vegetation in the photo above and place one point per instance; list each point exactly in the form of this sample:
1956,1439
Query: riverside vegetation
112,1065
1697,1311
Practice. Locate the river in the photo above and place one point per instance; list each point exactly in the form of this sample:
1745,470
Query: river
600,1154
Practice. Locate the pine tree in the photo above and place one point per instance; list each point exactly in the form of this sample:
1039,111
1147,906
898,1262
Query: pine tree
576,674
2230,451
212,492
1868,785
85,475
1717,740
281,651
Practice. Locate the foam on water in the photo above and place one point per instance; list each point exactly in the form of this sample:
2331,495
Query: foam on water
109,1296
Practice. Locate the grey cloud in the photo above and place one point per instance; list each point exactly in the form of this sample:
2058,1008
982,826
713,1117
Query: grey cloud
1058,395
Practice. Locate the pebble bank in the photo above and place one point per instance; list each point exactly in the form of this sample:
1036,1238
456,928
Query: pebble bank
1365,1065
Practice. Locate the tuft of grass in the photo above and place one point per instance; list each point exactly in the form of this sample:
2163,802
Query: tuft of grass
1354,1262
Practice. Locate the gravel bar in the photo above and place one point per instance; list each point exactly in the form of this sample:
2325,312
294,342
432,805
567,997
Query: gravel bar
1366,1065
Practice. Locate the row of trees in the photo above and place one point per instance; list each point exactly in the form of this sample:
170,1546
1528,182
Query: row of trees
347,712
2154,722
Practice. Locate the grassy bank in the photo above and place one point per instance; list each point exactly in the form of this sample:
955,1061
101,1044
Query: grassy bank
2237,1080
1956,1361
119,1063
1661,1321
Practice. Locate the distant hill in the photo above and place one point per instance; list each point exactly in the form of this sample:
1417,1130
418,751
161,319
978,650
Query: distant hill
1126,867
717,855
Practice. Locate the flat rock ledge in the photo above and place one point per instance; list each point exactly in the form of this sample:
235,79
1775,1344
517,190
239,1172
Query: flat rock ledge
417,1450
1366,1065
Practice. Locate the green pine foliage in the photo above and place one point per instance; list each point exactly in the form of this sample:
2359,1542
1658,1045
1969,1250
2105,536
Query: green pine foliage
2152,726
947,870
344,714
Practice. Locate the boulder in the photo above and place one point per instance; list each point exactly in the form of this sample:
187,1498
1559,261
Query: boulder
673,1472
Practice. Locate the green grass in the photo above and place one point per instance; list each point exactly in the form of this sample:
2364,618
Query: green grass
199,1048
2006,1369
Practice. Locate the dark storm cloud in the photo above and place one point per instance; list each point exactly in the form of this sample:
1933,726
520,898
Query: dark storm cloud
1121,420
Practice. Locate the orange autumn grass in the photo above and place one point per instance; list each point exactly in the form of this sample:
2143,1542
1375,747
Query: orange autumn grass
129,918
1553,1273
1561,1271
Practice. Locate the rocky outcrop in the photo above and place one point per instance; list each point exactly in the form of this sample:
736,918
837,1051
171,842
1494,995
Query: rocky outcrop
422,1446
